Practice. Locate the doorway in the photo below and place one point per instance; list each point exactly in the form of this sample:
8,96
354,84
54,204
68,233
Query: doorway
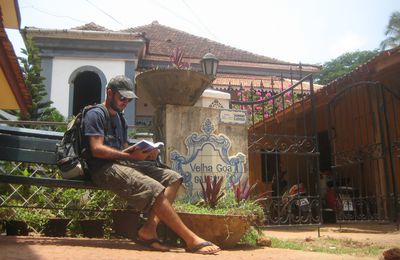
86,91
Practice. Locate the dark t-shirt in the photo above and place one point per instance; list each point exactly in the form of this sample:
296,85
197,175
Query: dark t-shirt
94,125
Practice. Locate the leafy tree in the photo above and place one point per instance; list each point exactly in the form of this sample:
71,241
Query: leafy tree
342,65
41,110
392,32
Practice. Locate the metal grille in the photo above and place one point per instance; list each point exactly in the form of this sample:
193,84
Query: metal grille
283,151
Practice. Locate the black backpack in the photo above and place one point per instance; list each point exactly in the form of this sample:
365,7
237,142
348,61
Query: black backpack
73,150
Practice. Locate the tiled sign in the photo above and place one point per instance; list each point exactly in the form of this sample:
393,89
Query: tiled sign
230,116
207,154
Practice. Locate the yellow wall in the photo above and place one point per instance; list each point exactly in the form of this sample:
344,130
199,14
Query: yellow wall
10,17
7,98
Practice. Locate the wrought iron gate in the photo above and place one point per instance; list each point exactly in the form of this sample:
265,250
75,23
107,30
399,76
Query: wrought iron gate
365,136
283,151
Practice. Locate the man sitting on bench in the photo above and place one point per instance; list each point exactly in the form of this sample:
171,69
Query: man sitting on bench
134,175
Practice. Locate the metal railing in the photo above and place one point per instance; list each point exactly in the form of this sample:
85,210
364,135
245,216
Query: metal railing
283,151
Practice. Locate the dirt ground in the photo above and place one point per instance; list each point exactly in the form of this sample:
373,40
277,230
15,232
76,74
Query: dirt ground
34,247
378,234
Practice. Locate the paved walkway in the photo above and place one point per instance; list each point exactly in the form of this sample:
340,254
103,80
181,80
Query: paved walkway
98,249
379,234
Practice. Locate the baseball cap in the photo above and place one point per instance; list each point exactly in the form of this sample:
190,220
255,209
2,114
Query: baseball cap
123,85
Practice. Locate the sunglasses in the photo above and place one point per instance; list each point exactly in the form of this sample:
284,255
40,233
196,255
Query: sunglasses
124,99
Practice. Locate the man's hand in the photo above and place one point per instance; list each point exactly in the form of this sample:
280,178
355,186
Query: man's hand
152,155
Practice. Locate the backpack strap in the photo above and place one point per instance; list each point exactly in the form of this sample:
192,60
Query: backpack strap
123,120
107,127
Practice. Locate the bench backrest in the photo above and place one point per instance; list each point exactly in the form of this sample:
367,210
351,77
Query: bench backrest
28,145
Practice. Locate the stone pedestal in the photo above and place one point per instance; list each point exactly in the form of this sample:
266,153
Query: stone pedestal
205,141
202,136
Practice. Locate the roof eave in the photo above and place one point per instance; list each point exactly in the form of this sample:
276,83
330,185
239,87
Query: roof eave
82,34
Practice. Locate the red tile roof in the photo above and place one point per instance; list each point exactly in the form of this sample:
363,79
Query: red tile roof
164,39
223,81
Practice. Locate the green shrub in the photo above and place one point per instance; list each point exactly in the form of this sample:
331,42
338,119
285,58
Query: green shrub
227,205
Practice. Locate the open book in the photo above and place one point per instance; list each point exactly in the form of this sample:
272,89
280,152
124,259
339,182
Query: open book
144,145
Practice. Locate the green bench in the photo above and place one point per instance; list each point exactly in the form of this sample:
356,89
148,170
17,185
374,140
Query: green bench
34,146
37,148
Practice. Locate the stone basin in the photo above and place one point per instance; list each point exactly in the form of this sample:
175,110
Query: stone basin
223,230
172,86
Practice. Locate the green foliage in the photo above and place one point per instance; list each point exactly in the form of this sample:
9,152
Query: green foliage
99,199
342,65
278,243
6,213
31,69
330,245
94,203
251,236
69,198
35,218
392,32
227,205
53,115
41,110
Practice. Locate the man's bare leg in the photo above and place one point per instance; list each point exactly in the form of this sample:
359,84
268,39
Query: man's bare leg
149,229
166,213
163,210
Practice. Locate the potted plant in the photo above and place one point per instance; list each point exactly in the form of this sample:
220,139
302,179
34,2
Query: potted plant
56,225
125,221
4,215
16,228
94,213
175,85
226,217
11,225
24,220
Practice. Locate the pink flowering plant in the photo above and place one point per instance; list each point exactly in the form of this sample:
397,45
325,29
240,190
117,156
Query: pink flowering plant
262,104
176,59
242,190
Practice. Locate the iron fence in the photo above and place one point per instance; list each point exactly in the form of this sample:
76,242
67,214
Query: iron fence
283,151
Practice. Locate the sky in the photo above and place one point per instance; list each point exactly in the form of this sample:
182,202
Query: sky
307,31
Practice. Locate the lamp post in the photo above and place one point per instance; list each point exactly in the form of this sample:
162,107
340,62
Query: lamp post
209,64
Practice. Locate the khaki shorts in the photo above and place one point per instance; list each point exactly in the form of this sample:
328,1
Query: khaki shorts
139,183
